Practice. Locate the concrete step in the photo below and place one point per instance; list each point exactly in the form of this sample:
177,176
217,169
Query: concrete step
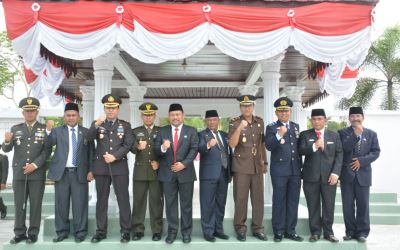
375,218
198,243
390,208
373,198
8,195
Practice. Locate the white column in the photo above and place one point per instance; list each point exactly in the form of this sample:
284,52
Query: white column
270,78
87,117
295,93
87,105
103,71
136,98
103,67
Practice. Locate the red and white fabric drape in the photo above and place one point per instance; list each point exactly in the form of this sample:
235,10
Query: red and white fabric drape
335,33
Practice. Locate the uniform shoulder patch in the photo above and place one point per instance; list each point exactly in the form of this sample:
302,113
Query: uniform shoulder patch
258,118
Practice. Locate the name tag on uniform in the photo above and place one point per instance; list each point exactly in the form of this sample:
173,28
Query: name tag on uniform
311,140
330,142
185,136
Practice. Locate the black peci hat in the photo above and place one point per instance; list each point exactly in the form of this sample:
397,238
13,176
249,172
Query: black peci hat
71,106
318,112
356,110
175,107
211,113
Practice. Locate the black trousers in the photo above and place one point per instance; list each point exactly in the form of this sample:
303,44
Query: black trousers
355,199
212,203
121,183
285,203
318,194
173,190
66,189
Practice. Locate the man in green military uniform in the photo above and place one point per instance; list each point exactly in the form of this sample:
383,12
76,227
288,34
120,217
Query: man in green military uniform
28,139
246,136
145,176
3,181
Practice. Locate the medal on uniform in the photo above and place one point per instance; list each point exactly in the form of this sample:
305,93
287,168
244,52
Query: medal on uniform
244,139
18,142
282,141
101,136
259,125
101,131
120,131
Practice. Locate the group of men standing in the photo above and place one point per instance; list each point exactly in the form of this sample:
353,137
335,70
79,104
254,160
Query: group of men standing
164,172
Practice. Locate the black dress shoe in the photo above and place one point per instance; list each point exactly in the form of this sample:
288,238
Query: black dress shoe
125,238
294,237
3,213
186,239
241,236
314,238
170,238
278,237
260,236
79,239
156,237
362,239
331,238
209,238
98,237
31,239
137,236
60,238
348,237
221,236
17,239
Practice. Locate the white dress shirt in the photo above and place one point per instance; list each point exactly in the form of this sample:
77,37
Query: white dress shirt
70,151
173,135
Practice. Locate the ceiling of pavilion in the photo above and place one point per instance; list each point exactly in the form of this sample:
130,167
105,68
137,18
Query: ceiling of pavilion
209,66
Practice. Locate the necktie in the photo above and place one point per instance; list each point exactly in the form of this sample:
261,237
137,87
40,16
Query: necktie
74,147
318,134
30,128
224,158
110,123
358,143
148,130
176,138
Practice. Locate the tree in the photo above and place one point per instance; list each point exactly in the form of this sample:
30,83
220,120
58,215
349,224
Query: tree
383,59
11,68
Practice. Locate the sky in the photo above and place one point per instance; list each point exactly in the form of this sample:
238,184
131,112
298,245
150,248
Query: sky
386,14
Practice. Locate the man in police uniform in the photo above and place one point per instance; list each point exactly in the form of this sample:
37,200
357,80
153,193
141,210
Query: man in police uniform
145,176
281,139
3,181
246,136
110,167
29,171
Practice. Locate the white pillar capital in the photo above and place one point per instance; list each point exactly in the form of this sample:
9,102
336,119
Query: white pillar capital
136,93
272,64
106,61
248,89
295,92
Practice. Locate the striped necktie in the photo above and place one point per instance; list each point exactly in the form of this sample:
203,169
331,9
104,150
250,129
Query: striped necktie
74,147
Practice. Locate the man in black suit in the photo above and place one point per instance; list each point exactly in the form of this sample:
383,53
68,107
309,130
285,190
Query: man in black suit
69,169
110,167
215,175
3,181
361,148
177,145
321,169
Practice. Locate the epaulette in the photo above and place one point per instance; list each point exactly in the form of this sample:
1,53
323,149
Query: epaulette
272,123
258,118
235,119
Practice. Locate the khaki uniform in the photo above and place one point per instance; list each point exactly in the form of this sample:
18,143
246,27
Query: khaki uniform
145,180
248,166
